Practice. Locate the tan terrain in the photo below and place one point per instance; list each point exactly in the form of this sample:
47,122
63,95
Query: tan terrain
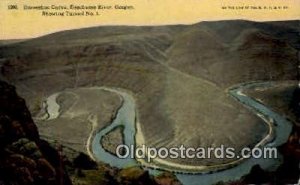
177,74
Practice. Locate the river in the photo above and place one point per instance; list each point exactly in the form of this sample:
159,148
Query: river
126,116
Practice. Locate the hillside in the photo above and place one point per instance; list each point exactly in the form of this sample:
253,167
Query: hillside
225,45
231,52
177,74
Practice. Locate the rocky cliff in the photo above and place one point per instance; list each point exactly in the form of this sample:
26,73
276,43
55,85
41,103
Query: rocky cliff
24,157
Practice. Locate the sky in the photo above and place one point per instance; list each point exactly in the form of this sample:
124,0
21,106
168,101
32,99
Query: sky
20,24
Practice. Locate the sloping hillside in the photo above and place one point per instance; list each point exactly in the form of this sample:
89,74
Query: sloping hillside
232,52
178,74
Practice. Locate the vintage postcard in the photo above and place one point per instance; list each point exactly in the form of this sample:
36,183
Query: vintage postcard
149,92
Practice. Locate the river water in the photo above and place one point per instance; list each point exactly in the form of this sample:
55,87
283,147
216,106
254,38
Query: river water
126,116
282,129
